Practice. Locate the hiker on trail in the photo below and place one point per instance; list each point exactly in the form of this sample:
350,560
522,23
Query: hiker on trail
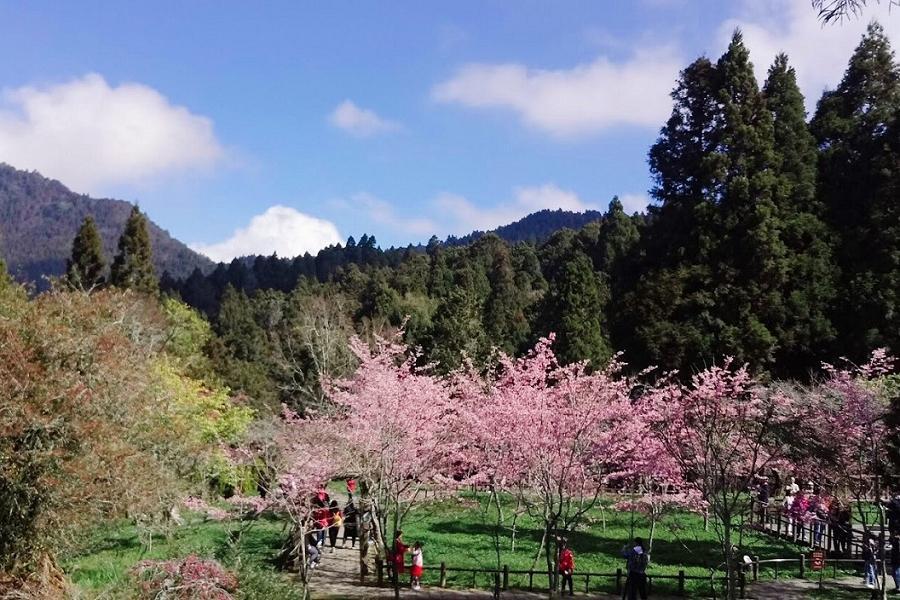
895,561
793,487
351,521
818,511
637,560
787,507
398,554
351,487
322,517
870,563
798,511
566,566
312,552
418,566
335,519
762,497
841,518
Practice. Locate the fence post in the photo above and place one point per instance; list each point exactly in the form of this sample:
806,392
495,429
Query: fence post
443,580
531,580
587,583
755,568
802,565
778,533
379,571
619,580
681,582
742,581
505,577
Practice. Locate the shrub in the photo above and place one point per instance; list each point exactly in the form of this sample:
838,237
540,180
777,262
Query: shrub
191,578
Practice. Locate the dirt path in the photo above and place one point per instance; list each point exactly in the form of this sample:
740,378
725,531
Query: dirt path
802,589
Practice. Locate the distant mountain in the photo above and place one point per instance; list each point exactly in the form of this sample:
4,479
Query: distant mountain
39,218
535,228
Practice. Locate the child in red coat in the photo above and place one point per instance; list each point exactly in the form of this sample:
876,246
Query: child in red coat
566,566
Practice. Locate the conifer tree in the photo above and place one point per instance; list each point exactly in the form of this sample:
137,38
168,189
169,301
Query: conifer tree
856,128
133,265
809,290
84,270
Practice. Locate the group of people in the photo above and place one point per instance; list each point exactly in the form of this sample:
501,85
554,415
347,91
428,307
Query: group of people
326,522
397,560
809,507
636,560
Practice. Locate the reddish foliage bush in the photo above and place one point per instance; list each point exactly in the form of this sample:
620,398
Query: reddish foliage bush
190,578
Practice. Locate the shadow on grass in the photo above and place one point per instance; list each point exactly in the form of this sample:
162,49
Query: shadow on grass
687,553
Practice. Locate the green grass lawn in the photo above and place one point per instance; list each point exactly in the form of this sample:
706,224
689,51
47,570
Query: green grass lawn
454,531
101,566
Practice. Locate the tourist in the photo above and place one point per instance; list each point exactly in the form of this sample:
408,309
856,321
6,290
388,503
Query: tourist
819,508
799,510
398,557
893,514
787,507
793,487
322,516
418,566
637,559
351,521
762,498
895,561
335,518
870,563
566,566
351,487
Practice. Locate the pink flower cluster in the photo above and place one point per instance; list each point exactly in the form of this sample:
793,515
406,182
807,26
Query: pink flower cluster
190,578
253,504
200,505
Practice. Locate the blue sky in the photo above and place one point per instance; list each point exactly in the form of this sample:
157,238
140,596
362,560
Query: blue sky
284,126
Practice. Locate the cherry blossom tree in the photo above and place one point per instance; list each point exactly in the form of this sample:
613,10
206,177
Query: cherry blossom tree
394,420
722,430
549,433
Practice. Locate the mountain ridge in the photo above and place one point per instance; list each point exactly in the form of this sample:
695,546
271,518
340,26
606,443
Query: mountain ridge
39,218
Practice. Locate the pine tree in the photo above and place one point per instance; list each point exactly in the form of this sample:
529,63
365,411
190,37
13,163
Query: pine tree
574,305
133,265
810,289
84,270
856,128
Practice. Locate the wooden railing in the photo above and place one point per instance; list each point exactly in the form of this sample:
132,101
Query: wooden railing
615,580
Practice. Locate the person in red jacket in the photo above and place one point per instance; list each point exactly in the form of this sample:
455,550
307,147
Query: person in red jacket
398,556
566,566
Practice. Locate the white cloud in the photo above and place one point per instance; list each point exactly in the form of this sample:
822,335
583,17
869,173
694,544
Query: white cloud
88,134
383,212
633,203
585,99
818,52
459,215
280,229
359,121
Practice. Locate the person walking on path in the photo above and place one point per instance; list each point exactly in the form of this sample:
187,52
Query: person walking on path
870,563
335,519
636,562
895,561
398,554
566,566
418,566
351,524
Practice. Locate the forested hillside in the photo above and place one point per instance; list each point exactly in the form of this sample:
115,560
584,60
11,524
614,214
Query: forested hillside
40,216
772,239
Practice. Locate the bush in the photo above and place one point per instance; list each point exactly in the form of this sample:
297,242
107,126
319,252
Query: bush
191,578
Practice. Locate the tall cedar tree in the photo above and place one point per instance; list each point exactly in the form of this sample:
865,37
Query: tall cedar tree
670,308
133,265
84,270
716,266
856,127
807,332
